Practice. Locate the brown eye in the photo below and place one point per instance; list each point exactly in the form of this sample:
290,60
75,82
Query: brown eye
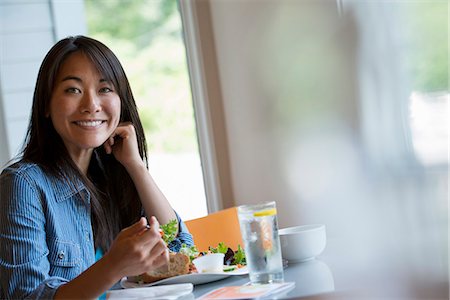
105,90
73,90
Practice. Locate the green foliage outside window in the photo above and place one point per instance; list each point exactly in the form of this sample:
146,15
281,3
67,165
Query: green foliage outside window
427,36
146,36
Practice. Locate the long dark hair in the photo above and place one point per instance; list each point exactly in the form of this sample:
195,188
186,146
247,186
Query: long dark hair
114,200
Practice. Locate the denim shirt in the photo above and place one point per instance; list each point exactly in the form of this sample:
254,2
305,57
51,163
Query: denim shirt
46,234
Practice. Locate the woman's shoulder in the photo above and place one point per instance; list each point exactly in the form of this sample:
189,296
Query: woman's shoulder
23,168
26,172
21,176
36,177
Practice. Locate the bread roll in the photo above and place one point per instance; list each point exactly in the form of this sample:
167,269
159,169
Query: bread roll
178,265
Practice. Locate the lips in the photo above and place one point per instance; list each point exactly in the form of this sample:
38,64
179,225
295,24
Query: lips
89,123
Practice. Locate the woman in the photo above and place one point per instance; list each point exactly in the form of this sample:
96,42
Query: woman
81,185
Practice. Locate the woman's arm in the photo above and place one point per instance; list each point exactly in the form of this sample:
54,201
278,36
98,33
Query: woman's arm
40,248
153,200
125,150
135,251
91,284
23,247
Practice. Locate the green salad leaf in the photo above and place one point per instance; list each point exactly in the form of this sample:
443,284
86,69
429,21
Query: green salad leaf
169,231
191,251
231,257
221,248
239,256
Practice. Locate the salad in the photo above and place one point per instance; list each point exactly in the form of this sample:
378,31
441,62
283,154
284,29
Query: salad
232,259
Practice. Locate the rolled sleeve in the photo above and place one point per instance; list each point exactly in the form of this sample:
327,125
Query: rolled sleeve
47,289
183,237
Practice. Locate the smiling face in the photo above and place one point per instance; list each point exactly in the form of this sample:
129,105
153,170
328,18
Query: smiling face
84,107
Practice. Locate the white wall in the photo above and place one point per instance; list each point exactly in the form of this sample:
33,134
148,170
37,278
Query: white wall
284,76
27,31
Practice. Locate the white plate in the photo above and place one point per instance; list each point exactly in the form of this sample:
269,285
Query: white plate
194,278
173,291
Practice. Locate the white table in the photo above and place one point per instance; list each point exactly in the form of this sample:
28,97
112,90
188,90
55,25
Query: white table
311,278
343,272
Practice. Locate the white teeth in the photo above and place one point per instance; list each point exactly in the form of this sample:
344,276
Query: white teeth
89,123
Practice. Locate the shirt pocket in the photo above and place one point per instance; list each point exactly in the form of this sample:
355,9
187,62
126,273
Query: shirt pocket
64,258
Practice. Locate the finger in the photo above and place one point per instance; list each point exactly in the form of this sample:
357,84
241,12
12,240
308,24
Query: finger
154,224
107,147
149,238
123,131
126,131
137,227
154,231
108,144
162,259
111,140
158,249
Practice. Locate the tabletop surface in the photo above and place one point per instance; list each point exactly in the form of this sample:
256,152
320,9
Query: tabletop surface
310,277
350,272
339,273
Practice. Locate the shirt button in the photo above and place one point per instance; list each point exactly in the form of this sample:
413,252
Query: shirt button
61,255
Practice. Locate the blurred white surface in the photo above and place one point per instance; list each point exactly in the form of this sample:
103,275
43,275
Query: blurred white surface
317,104
167,292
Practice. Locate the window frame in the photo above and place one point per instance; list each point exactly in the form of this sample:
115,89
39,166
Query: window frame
207,103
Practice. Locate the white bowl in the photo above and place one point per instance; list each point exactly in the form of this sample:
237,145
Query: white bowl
302,243
210,263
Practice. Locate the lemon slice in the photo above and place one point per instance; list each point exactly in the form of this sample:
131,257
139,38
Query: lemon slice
265,213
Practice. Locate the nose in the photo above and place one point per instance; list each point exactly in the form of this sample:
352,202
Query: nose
90,103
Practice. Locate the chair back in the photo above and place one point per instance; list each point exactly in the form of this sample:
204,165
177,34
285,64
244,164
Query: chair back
222,226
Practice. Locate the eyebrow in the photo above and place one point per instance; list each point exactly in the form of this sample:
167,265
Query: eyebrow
70,77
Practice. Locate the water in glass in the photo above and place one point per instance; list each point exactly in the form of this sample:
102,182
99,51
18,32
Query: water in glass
262,244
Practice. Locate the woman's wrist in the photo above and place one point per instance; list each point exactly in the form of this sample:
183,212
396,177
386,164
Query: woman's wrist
135,166
90,284
112,273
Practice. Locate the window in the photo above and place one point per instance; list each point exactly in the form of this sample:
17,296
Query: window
426,34
147,38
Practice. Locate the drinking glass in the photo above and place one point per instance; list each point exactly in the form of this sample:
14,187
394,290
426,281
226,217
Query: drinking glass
259,228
